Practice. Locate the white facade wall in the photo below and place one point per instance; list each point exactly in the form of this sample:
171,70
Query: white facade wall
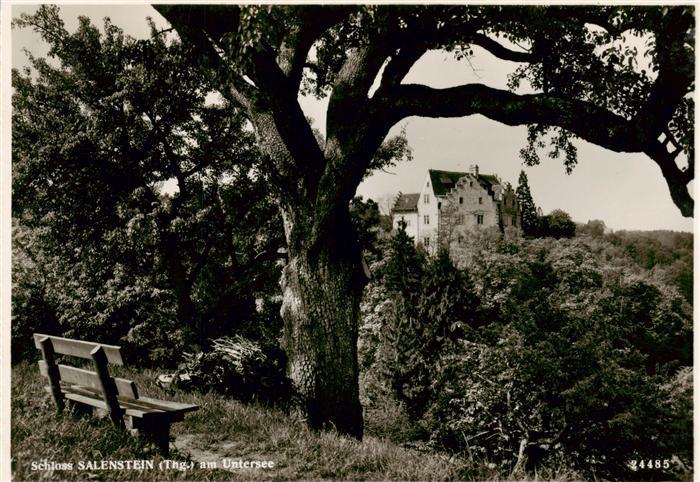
411,219
428,216
476,201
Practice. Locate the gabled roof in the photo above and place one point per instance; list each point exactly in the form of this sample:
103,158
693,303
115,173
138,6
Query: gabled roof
406,203
443,181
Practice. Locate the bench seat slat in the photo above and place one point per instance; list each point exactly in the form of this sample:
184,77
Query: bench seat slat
95,402
81,349
147,402
79,376
171,406
125,403
135,408
99,403
88,397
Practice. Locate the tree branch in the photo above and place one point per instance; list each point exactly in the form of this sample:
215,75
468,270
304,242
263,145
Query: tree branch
676,179
356,127
676,70
202,26
314,21
280,115
586,120
201,261
500,51
400,64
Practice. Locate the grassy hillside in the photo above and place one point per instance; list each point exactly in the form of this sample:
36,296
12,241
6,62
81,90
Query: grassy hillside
220,429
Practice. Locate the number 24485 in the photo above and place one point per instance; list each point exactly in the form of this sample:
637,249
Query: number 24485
650,464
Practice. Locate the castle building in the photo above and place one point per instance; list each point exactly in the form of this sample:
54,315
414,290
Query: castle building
452,203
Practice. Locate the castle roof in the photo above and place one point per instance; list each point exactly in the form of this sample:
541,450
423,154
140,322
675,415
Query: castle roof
406,203
444,181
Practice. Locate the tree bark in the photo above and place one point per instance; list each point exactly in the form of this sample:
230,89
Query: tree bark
186,310
322,288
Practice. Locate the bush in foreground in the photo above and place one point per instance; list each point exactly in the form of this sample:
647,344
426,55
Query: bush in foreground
239,368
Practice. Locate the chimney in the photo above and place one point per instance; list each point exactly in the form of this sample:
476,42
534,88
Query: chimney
474,169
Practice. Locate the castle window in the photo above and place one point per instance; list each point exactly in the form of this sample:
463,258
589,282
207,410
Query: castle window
479,218
439,205
461,200
460,219
459,240
481,200
426,241
426,219
471,183
426,198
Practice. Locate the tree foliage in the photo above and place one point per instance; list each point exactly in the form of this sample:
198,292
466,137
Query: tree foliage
431,304
557,224
148,198
667,255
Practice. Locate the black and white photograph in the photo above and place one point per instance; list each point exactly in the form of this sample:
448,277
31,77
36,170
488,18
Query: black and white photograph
337,241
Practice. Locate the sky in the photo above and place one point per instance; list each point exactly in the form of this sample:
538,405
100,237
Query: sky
626,191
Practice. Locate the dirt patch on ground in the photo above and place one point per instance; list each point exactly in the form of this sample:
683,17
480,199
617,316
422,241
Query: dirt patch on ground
215,453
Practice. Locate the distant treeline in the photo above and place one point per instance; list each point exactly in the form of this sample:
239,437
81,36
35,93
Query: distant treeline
667,254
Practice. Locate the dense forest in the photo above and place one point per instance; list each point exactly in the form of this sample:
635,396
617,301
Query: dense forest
147,215
537,349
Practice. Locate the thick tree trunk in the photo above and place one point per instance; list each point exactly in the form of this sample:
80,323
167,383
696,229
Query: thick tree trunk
322,289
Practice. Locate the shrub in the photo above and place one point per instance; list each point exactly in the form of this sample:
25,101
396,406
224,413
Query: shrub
33,307
240,368
557,224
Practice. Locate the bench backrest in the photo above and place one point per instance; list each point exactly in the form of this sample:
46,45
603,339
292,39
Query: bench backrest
81,349
87,378
100,380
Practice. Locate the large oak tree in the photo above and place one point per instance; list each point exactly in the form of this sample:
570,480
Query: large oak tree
577,63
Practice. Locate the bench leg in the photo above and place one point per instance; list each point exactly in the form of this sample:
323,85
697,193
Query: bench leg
161,436
54,377
154,430
109,389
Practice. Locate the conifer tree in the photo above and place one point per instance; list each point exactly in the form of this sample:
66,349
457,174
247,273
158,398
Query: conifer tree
528,211
402,277
404,268
435,304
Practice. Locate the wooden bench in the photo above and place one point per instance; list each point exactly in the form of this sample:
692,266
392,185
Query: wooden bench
97,390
